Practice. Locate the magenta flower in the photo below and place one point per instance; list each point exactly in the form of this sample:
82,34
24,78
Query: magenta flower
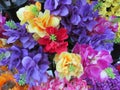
2,22
62,84
94,62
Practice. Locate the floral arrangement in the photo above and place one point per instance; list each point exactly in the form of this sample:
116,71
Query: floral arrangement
65,47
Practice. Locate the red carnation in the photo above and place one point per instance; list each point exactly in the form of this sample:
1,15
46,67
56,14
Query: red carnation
54,41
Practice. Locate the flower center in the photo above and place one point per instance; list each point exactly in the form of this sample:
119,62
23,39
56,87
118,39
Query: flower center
22,79
53,37
71,68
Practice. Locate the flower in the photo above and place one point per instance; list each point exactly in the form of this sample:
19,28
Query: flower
2,22
7,81
16,32
35,68
62,84
40,23
58,7
68,65
99,39
109,8
54,41
94,62
32,68
26,13
81,14
105,85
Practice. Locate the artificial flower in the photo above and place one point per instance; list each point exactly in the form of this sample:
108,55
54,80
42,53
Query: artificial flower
5,78
54,41
2,43
80,15
100,38
68,65
58,7
2,22
26,13
40,23
62,84
15,32
7,81
93,61
105,85
32,68
109,8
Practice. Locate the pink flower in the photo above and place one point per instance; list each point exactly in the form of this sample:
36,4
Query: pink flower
104,24
2,22
54,41
94,62
62,84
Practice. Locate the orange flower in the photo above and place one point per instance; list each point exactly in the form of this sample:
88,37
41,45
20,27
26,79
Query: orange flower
7,81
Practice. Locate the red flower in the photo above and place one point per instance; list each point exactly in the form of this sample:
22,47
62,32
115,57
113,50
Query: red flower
54,41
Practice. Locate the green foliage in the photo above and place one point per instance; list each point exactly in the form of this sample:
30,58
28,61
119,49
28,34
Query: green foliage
110,73
11,24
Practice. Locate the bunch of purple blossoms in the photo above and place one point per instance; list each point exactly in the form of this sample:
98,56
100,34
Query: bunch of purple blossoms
58,7
16,32
31,66
77,13
110,84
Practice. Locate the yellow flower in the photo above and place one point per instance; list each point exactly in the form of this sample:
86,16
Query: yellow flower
110,8
27,13
2,42
40,23
68,65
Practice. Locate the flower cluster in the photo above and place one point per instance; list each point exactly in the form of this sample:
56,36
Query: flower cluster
64,47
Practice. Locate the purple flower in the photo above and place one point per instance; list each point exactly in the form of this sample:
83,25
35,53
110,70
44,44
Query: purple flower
110,84
82,15
98,39
31,63
13,56
35,69
58,7
19,33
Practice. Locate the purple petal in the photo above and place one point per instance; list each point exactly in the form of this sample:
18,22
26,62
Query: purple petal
75,19
51,4
36,74
27,62
12,39
24,39
65,1
37,58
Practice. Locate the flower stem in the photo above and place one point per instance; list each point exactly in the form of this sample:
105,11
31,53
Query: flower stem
53,69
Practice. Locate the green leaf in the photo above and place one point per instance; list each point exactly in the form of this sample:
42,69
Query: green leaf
98,5
110,73
11,24
22,80
5,55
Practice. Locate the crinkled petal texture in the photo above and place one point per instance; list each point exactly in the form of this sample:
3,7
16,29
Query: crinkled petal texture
54,41
27,13
68,65
40,23
58,7
35,68
20,36
94,62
